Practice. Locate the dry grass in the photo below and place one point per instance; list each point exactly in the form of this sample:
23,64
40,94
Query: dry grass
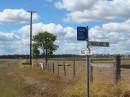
20,81
102,86
109,90
98,90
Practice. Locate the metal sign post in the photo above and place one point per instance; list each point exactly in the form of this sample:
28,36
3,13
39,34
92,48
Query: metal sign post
82,35
88,65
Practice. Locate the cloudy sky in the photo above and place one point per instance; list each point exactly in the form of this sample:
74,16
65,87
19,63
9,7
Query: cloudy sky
108,20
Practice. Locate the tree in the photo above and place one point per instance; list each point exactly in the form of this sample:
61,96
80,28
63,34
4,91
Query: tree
45,43
36,52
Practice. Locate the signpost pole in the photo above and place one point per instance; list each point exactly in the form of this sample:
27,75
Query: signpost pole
87,61
82,35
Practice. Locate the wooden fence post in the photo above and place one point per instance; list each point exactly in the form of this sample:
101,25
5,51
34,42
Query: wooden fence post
117,70
91,74
91,71
74,70
53,68
43,66
64,68
58,70
50,67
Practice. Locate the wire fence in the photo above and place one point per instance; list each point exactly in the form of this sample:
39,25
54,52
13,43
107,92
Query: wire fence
111,70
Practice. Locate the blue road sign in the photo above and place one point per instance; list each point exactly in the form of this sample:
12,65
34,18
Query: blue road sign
82,33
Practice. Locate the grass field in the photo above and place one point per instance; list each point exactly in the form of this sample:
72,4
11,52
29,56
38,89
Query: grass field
27,82
19,81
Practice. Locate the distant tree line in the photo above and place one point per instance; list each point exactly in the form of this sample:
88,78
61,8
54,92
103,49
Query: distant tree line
17,56
23,56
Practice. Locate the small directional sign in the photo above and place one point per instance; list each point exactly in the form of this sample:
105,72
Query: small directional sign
100,44
86,51
82,33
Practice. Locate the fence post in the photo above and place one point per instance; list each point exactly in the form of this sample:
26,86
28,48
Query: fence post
53,68
64,69
91,71
43,66
50,67
74,70
58,69
117,70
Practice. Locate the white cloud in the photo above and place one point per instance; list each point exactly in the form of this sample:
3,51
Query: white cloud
10,43
75,4
18,42
91,10
57,29
116,33
16,16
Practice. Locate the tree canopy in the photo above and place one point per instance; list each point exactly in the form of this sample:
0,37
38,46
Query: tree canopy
44,42
36,52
